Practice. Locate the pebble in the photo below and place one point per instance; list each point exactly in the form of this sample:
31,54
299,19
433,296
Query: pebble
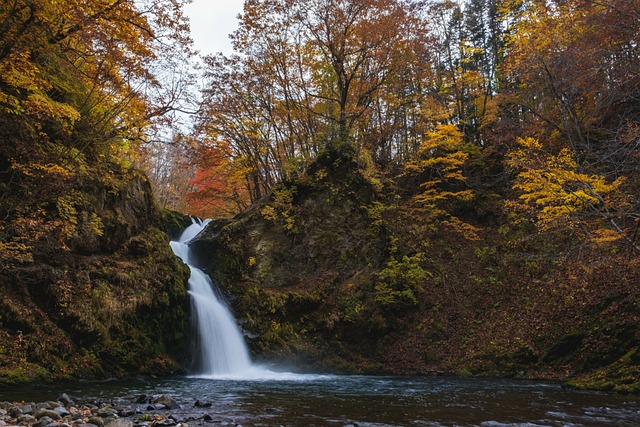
144,411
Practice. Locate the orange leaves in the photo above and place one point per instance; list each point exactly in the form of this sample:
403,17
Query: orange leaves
219,184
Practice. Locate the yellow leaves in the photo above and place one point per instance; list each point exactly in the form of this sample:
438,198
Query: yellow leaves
44,108
19,71
440,166
553,184
47,171
440,154
12,253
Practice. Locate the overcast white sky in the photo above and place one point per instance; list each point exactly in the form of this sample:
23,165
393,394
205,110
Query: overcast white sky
211,23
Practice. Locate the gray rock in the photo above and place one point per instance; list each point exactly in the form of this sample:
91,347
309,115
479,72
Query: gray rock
27,409
109,420
126,411
26,419
14,411
53,404
43,421
62,411
107,412
47,413
167,401
120,422
58,424
43,405
98,421
66,400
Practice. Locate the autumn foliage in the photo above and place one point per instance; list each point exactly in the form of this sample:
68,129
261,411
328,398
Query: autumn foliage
473,97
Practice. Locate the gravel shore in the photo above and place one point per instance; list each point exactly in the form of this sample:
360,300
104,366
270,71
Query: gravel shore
141,411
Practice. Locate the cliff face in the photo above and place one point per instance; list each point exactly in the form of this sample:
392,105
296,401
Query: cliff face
105,298
341,273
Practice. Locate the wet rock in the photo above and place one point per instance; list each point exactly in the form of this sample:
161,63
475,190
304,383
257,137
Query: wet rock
62,411
43,421
119,422
14,411
98,421
107,412
58,424
47,413
26,419
43,405
207,417
27,409
200,404
168,402
66,400
143,399
126,411
53,404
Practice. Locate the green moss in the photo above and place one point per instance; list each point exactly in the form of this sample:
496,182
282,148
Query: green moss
621,376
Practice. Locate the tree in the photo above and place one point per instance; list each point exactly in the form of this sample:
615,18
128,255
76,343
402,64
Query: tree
574,69
316,75
78,94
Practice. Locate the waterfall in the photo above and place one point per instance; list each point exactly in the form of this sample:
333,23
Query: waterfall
221,349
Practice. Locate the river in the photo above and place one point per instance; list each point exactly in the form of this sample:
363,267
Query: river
330,400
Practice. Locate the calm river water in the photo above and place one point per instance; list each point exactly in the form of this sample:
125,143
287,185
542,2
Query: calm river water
319,400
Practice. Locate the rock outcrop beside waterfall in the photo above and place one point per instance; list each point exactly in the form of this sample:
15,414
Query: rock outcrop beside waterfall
337,271
107,302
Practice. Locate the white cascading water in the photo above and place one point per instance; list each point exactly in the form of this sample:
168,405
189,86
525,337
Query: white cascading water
221,350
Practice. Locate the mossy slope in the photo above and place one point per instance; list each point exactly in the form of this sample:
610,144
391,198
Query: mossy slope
338,271
104,303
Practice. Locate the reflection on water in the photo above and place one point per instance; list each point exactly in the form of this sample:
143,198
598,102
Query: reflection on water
327,400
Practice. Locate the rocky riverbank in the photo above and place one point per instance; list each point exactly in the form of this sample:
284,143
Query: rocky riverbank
139,411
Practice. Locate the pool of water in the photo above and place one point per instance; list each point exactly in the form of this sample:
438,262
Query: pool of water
330,400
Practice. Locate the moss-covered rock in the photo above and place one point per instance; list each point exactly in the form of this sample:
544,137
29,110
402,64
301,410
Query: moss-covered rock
110,301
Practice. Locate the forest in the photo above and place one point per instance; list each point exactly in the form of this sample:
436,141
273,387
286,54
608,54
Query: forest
426,175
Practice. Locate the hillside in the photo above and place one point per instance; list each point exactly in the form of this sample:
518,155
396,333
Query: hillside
342,272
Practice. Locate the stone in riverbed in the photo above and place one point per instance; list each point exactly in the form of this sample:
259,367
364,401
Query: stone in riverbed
120,422
66,400
26,419
47,413
167,401
98,421
107,412
27,409
14,411
200,404
43,421
62,411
